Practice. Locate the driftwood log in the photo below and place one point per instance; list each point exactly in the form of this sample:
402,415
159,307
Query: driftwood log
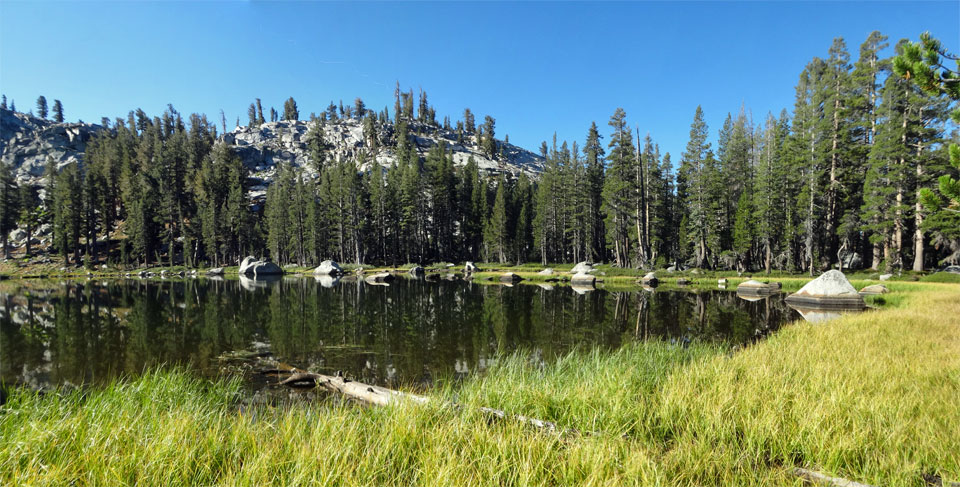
821,479
381,396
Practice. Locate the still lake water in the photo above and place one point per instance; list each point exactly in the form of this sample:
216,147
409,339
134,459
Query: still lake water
410,332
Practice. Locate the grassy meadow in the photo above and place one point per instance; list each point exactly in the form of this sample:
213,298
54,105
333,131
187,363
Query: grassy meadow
871,397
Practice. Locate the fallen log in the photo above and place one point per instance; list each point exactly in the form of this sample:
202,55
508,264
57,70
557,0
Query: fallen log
381,396
821,479
376,395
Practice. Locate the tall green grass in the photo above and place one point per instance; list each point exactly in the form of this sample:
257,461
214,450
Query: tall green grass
872,397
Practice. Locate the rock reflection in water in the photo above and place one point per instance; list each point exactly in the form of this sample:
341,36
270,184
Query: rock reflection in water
413,331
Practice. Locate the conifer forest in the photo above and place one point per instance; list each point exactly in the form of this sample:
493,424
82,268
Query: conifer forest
833,181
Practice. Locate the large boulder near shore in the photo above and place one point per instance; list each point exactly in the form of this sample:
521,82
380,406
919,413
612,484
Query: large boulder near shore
585,267
885,277
216,271
251,267
650,279
953,269
546,272
830,290
757,288
510,277
416,270
469,268
328,268
379,278
583,279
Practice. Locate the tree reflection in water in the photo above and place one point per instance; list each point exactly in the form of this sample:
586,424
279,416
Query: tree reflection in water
411,331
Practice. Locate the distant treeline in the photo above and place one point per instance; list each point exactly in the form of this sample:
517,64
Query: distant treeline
838,180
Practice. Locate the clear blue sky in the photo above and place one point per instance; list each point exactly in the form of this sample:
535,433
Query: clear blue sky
536,67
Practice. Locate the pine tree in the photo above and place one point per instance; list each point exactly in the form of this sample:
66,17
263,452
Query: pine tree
469,122
769,187
743,231
495,232
619,189
290,111
697,173
595,234
317,146
31,212
9,205
57,111
489,143
42,107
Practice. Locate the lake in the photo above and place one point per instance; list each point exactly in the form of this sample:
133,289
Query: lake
411,332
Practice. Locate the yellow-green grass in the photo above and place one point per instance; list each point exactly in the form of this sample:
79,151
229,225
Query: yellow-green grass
871,397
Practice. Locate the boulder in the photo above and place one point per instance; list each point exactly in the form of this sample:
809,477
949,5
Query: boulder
328,268
510,277
953,269
682,282
874,289
585,267
830,290
582,278
546,272
216,271
251,267
650,279
757,288
851,260
379,278
722,282
416,270
672,268
469,268
885,277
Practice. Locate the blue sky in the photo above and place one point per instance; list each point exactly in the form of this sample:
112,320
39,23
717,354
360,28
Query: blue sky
537,67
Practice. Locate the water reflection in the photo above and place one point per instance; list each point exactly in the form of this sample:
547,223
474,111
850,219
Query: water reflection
410,331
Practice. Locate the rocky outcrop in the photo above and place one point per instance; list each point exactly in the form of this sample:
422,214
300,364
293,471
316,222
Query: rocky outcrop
251,267
830,290
328,268
26,142
263,148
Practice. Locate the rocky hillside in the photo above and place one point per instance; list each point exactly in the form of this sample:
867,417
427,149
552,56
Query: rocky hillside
28,141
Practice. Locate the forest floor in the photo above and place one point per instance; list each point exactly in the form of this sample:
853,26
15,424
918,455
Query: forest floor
870,397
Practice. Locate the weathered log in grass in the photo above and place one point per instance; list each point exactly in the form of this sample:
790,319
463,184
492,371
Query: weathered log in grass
821,479
381,396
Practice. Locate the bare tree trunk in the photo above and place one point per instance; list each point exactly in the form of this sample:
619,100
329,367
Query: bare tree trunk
898,226
918,219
